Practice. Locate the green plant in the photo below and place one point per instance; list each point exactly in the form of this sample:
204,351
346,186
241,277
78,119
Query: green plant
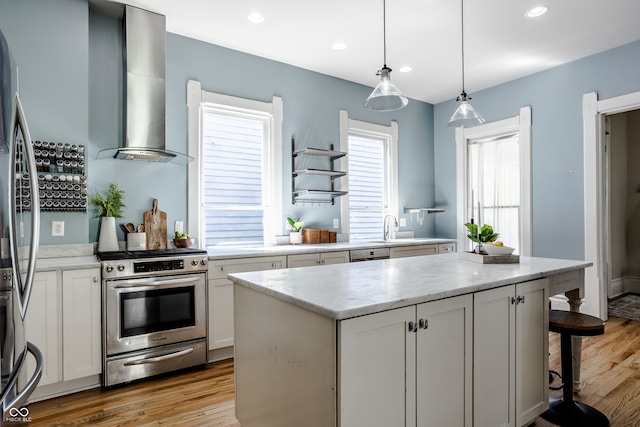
111,205
486,233
295,225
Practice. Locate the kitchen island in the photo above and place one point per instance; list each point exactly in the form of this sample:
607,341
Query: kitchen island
433,340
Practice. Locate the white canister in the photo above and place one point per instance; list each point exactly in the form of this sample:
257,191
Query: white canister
137,241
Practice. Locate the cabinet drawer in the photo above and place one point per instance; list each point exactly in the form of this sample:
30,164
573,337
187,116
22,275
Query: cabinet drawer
446,248
220,269
408,251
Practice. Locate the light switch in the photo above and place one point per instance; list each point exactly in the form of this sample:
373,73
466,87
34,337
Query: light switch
403,222
179,226
336,223
57,228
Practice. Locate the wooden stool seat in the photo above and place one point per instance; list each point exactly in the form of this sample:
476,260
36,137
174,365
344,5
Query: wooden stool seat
566,412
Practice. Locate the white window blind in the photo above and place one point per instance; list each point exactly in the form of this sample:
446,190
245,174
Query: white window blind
367,186
494,178
233,172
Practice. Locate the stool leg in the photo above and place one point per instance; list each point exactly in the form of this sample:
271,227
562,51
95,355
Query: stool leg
566,412
566,358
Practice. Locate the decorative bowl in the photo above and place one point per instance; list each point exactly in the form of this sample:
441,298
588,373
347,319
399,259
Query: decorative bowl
183,243
496,250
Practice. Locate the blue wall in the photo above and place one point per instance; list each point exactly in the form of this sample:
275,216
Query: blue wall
555,97
71,90
75,61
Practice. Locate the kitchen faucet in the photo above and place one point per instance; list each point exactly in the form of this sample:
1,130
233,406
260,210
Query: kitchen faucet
385,230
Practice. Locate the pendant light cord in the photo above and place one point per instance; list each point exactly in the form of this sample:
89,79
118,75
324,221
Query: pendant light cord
384,31
462,39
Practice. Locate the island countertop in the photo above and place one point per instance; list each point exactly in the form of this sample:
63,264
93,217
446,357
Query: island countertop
343,291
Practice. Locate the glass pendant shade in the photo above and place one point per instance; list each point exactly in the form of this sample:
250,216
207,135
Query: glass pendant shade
465,114
386,96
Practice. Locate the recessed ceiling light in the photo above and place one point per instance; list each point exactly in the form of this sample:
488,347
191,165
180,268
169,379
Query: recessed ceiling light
534,12
405,69
339,46
255,17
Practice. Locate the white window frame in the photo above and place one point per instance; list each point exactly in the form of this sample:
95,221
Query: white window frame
521,124
389,132
198,98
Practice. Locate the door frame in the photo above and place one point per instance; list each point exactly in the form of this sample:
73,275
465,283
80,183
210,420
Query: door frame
595,182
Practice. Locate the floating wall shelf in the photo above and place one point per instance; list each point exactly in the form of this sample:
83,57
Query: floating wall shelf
427,210
311,195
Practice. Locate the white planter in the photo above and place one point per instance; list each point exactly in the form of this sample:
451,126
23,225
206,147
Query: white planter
295,237
108,240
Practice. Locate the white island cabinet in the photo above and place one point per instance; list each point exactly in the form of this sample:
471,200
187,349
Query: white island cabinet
399,342
510,333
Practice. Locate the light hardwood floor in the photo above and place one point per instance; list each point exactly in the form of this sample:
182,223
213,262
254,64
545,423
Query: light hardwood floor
204,397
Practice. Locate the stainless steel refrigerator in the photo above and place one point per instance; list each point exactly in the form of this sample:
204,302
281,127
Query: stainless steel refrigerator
19,233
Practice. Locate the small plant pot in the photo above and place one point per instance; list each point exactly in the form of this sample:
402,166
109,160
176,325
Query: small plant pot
295,237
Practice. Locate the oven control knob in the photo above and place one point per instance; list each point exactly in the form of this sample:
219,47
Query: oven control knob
120,267
203,262
109,268
194,262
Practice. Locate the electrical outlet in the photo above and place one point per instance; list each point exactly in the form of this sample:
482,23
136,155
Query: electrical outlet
336,223
179,226
403,222
57,228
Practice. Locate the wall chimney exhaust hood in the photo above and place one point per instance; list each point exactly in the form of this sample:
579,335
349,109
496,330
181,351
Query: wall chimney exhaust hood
145,88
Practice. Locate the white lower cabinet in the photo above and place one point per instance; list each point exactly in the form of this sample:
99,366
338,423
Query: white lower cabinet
407,367
221,322
81,323
64,321
323,258
42,327
510,333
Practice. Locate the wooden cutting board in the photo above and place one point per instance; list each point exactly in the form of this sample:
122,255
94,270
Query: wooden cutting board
155,225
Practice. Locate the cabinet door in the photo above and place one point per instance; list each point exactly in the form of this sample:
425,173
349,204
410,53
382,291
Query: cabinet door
532,340
444,362
81,322
340,257
408,251
221,328
303,260
41,325
494,358
376,369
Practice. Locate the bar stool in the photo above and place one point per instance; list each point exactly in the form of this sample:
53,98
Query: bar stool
566,412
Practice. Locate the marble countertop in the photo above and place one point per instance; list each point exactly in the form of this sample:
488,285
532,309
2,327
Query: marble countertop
342,291
66,257
247,252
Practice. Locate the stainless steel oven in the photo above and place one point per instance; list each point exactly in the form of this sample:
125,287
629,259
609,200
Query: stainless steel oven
154,313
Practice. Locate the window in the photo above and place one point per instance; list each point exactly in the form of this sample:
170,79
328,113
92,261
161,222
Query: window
372,177
494,169
494,181
236,144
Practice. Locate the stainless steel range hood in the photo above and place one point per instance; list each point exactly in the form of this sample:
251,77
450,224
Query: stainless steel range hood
145,88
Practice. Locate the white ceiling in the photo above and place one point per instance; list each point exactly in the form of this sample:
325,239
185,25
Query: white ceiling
501,44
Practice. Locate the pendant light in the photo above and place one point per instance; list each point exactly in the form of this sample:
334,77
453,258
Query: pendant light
464,115
386,96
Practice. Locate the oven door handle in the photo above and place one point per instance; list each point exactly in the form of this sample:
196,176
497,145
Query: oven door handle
159,359
158,283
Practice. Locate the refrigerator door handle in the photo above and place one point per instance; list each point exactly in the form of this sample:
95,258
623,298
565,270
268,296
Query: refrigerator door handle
23,300
22,397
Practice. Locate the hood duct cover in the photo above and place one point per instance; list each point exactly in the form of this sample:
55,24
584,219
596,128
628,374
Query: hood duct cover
145,88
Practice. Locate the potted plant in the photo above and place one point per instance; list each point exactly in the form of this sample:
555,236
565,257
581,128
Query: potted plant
109,208
485,235
295,236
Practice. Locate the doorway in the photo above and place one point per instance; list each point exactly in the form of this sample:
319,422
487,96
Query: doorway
622,242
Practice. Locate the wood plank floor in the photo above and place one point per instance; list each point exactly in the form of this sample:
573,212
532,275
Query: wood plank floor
204,397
